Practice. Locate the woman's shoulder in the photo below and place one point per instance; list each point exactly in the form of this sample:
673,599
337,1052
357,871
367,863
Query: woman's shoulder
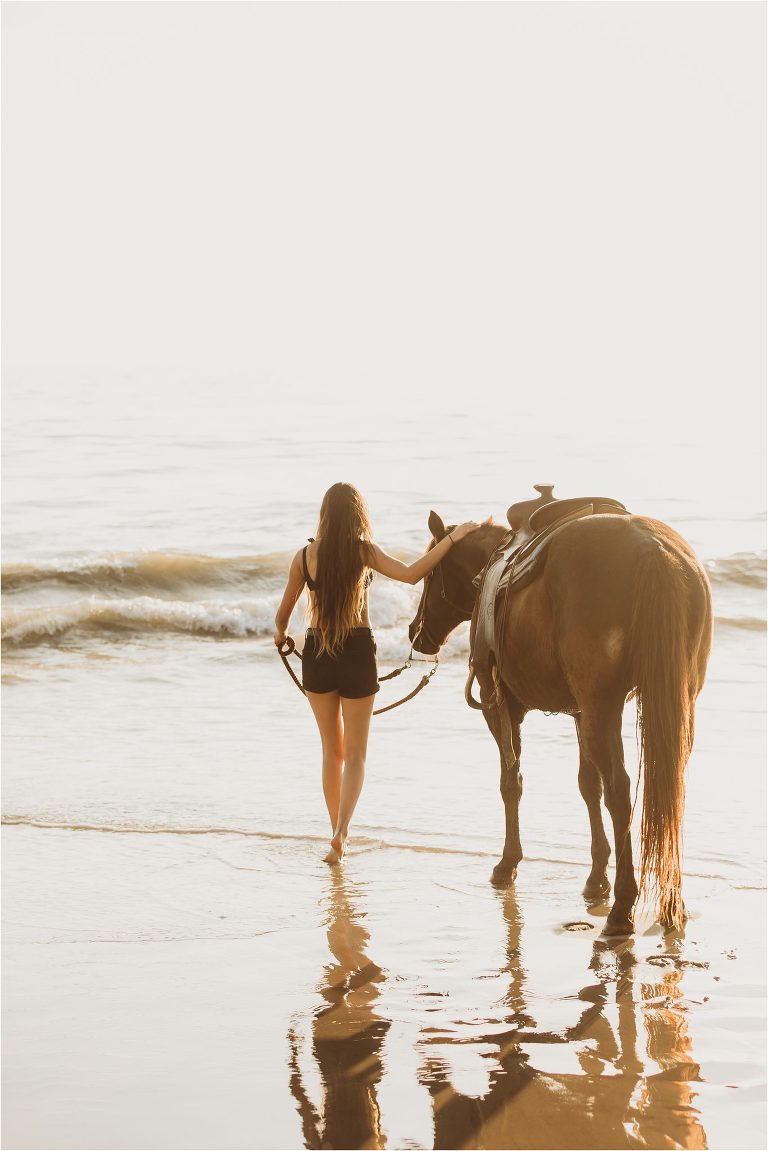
300,556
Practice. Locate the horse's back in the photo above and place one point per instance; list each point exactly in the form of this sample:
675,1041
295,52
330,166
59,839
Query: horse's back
606,551
584,603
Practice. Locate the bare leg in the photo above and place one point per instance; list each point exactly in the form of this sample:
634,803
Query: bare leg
357,722
326,708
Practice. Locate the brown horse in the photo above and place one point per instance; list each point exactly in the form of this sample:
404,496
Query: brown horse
621,605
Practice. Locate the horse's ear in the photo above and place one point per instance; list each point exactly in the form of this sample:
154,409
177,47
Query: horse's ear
436,525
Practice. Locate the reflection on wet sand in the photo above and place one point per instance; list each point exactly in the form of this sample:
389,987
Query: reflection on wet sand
630,1078
347,1036
615,1102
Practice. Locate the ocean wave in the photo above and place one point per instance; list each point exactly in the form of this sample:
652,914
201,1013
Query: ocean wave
158,571
150,593
142,615
84,620
743,569
81,622
137,571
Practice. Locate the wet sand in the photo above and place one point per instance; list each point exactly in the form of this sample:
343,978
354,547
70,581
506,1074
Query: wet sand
220,990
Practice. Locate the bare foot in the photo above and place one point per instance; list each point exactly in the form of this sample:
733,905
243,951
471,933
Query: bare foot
338,848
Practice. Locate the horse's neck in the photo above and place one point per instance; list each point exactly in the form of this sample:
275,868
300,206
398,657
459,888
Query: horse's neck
487,539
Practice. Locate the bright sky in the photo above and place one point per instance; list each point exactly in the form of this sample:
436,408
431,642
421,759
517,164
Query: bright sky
560,199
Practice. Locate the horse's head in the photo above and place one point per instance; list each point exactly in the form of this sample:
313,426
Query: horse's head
448,598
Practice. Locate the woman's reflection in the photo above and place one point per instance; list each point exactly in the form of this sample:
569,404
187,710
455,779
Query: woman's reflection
347,1036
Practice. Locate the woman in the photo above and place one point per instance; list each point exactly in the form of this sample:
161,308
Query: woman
339,659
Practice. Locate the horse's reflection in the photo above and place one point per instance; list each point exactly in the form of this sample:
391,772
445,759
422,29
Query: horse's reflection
347,1036
630,1078
615,1101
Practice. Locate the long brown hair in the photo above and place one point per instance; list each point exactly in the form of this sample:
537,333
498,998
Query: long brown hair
343,530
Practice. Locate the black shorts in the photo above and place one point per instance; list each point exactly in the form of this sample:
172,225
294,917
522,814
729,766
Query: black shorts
352,673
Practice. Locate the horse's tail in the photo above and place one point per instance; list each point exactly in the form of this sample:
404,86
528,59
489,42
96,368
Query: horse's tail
666,692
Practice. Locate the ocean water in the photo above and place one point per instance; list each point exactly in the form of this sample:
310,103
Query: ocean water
146,547
150,730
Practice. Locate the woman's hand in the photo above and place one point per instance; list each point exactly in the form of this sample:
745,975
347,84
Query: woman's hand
412,573
458,533
280,638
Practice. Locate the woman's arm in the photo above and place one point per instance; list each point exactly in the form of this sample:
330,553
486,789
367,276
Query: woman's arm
395,569
293,590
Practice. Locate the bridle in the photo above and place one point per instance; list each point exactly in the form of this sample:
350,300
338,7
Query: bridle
464,611
421,627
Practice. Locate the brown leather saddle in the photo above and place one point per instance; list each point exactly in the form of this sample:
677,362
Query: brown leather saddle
519,557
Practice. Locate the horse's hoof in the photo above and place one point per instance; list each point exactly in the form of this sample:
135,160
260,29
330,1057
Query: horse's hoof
618,925
596,889
502,875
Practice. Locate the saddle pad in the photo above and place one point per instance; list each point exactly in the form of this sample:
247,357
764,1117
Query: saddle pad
483,642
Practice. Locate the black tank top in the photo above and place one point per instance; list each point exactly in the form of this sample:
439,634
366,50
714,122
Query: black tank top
310,582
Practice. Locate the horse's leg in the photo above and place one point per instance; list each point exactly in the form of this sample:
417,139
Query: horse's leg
591,788
504,723
600,738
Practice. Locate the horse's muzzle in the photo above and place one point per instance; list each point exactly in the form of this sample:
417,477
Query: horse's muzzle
422,641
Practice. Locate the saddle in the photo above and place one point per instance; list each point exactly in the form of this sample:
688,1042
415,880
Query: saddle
519,557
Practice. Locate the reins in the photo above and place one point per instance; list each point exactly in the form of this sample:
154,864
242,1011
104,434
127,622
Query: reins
288,647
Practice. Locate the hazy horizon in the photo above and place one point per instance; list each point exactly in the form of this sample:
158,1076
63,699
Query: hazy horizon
379,200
